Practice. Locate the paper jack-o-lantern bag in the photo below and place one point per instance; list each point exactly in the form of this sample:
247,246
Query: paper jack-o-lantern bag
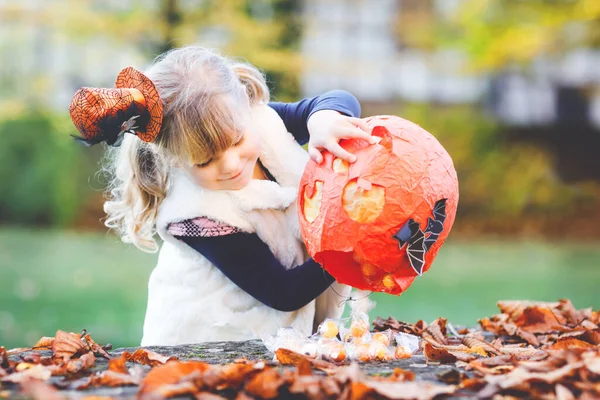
378,223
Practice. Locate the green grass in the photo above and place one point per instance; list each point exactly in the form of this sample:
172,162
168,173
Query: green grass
53,280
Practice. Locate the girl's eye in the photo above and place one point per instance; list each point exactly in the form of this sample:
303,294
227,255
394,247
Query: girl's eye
239,141
205,164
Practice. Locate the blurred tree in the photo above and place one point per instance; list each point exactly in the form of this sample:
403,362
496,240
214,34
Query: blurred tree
497,33
265,32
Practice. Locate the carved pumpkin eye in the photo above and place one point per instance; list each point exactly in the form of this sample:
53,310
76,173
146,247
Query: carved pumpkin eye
312,201
363,204
340,165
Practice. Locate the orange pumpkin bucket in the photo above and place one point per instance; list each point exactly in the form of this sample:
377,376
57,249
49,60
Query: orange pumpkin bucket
378,223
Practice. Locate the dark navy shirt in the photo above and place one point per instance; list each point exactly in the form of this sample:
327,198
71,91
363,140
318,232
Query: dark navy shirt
247,260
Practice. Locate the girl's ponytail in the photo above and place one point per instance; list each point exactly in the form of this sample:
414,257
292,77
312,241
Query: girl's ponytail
138,184
256,86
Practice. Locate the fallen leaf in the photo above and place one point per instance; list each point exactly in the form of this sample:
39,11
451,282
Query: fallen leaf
419,390
170,373
209,396
265,384
562,393
568,343
437,354
109,378
39,390
539,319
96,348
147,357
67,345
290,357
40,372
45,343
118,364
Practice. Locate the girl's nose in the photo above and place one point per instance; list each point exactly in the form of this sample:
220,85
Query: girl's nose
230,163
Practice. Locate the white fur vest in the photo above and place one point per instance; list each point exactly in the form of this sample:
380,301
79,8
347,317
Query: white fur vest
189,299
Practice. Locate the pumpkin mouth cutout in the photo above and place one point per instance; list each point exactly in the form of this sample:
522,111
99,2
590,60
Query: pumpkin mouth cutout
354,269
311,204
363,201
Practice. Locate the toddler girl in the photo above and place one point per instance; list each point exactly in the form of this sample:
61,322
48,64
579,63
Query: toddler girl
203,159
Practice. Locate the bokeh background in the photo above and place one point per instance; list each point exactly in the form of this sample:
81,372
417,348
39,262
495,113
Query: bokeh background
511,88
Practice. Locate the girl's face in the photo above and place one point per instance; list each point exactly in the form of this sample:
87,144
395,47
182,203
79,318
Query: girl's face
231,169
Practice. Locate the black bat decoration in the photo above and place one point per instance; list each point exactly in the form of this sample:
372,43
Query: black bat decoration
420,242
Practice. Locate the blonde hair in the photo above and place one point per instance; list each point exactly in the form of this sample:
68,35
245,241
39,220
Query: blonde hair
197,87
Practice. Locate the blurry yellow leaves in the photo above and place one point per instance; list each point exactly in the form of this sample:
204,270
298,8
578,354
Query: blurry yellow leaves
496,32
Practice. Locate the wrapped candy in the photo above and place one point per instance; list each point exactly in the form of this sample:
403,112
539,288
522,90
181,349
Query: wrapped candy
378,223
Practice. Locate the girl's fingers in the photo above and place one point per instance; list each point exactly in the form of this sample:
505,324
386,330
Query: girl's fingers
339,152
315,154
360,124
357,133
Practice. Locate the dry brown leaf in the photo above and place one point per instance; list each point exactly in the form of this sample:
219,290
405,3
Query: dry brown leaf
185,387
209,396
562,393
437,354
109,378
479,346
400,374
265,384
74,366
359,391
539,319
170,373
243,396
437,331
39,372
39,390
221,377
330,387
3,357
290,357
118,364
419,390
568,343
67,345
96,348
147,357
309,386
45,343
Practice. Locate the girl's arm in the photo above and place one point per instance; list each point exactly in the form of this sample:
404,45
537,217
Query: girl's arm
250,264
295,115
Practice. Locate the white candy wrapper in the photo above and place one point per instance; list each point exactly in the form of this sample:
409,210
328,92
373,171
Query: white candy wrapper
409,343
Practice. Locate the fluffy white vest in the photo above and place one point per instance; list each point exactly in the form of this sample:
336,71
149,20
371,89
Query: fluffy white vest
189,299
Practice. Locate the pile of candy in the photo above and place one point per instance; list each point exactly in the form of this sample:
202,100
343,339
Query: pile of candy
336,342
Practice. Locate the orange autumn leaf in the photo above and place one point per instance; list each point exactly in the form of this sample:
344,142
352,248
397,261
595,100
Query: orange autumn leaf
117,364
147,357
265,384
569,343
170,373
437,354
111,378
45,343
39,372
66,345
289,357
538,320
229,375
96,348
359,391
36,389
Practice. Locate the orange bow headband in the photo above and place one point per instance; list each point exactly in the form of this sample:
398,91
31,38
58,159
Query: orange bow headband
105,115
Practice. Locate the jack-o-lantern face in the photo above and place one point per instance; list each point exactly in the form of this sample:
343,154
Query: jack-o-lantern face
378,223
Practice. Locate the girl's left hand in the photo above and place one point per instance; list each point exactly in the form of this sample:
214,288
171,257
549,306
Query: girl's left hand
328,127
